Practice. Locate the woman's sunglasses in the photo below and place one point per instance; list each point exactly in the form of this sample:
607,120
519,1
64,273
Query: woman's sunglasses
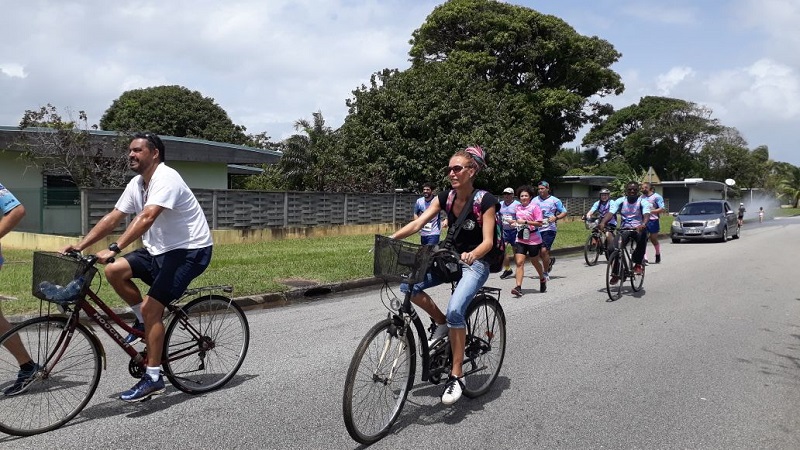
455,169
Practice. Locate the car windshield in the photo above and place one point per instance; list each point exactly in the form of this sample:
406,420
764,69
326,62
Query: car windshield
699,209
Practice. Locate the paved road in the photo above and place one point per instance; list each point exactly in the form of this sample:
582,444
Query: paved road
708,356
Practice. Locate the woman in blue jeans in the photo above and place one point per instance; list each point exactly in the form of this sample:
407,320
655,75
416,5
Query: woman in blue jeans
474,241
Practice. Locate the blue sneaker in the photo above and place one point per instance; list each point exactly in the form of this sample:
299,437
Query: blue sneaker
144,389
132,338
24,379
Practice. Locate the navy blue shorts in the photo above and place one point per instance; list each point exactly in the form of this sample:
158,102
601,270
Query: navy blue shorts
432,239
653,226
510,236
548,237
170,273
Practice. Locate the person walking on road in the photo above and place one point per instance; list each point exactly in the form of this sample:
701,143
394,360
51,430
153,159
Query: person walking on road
508,211
653,226
529,241
431,232
552,210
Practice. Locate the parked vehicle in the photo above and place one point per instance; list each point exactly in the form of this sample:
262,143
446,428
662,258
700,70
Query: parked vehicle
705,220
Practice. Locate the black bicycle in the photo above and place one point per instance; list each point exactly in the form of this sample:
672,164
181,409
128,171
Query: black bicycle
596,243
620,264
382,370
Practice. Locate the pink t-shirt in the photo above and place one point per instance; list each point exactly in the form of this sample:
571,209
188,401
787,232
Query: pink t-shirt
532,213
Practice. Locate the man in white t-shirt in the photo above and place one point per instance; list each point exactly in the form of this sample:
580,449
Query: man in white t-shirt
177,249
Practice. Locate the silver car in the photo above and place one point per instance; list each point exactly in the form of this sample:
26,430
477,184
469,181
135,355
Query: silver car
705,220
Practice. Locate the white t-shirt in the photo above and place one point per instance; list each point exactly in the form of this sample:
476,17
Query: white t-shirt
181,225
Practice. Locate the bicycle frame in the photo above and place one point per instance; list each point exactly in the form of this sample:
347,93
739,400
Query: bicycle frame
94,315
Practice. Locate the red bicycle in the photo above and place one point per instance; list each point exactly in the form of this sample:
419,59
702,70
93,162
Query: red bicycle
205,343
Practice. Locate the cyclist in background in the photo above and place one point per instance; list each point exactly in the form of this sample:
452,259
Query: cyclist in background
601,207
177,248
474,241
13,212
740,215
653,225
634,212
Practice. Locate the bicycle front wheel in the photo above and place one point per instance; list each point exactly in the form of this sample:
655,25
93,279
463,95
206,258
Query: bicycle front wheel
205,344
615,290
379,378
485,345
66,376
590,250
637,280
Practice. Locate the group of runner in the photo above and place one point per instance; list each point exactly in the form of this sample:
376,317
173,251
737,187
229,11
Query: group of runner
530,217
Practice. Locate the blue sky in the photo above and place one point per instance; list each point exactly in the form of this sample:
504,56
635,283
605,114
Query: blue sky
269,63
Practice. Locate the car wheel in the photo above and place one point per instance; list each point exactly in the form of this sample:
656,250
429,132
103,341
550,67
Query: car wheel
676,241
724,237
738,230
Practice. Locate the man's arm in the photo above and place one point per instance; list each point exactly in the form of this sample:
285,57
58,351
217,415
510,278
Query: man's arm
11,219
141,223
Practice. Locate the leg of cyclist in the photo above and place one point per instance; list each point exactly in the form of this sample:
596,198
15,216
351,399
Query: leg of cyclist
638,252
174,270
616,243
420,298
120,274
474,276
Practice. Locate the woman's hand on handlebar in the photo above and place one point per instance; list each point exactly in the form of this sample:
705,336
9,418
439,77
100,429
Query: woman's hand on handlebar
468,257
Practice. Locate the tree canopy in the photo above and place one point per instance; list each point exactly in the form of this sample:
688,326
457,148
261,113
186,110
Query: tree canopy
665,133
505,77
172,111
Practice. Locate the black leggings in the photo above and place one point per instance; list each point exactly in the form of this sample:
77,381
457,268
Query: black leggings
641,243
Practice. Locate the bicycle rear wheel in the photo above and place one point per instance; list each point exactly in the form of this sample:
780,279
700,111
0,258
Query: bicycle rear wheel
590,250
205,345
68,374
379,378
615,290
485,345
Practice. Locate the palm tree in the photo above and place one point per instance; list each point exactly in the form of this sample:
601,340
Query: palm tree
304,153
789,185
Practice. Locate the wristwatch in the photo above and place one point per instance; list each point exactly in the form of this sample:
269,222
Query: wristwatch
114,248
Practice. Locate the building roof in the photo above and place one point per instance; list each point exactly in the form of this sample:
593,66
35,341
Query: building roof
591,180
177,148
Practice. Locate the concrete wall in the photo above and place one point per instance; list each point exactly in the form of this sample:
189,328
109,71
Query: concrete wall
46,242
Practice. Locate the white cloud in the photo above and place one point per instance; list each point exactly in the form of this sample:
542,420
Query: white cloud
666,82
13,70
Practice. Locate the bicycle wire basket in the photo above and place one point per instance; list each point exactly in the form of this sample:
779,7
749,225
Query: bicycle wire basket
402,261
59,270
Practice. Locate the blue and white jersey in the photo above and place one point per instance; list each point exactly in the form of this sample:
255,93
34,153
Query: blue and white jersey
509,212
601,209
550,206
631,214
434,227
7,200
656,201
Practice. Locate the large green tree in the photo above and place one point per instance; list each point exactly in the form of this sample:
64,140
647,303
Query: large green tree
505,77
172,111
665,133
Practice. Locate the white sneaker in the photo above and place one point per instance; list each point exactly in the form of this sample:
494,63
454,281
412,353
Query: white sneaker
438,333
452,390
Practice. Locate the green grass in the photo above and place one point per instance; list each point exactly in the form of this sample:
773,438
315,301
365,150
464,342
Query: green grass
786,212
256,268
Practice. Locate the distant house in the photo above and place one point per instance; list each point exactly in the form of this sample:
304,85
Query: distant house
53,203
580,185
